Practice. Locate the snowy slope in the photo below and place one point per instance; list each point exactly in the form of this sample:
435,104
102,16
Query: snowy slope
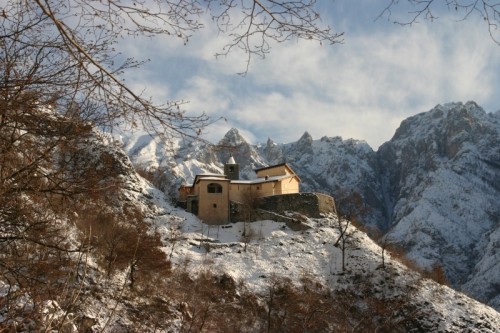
275,250
281,251
252,262
91,298
443,169
434,187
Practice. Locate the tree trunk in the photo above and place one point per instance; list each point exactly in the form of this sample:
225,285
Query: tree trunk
132,277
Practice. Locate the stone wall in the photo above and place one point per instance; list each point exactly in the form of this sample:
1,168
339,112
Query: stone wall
326,203
309,204
276,207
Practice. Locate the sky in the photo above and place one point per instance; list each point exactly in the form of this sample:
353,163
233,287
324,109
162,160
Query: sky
363,88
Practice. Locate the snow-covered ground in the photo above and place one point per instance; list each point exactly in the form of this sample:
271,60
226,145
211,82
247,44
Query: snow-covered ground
272,249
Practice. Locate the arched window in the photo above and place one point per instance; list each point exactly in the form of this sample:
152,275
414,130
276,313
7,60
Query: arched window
214,188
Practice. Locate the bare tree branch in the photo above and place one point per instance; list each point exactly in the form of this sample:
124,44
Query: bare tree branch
62,75
488,10
260,23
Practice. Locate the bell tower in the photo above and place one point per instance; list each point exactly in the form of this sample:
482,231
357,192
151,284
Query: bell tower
232,169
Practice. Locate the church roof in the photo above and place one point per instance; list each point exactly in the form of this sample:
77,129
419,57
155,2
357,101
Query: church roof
212,179
209,176
231,160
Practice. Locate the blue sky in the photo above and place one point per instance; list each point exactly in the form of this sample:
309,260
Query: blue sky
361,89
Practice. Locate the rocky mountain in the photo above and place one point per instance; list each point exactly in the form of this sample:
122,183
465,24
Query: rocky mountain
442,170
433,188
181,161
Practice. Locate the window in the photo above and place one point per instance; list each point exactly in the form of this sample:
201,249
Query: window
231,168
215,205
214,188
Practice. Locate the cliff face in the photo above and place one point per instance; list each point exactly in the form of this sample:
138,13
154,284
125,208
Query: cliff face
442,170
433,188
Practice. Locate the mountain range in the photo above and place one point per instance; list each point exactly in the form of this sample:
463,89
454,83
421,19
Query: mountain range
117,256
433,189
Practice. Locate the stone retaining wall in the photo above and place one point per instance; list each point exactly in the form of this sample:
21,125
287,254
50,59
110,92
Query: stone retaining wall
309,204
276,207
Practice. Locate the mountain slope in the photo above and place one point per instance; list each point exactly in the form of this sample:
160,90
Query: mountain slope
177,274
278,251
443,172
433,188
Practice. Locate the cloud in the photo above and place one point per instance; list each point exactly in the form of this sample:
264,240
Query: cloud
365,88
362,89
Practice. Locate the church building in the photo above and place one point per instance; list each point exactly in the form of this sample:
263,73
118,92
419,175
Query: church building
210,195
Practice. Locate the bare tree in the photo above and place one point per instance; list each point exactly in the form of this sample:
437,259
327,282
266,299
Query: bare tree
488,10
383,241
247,237
66,52
437,273
249,205
349,206
36,179
175,235
61,74
254,24
69,51
345,237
